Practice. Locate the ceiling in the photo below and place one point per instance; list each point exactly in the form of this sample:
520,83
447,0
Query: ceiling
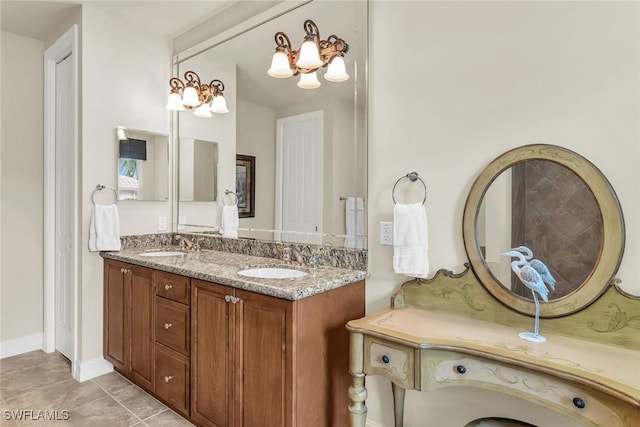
39,19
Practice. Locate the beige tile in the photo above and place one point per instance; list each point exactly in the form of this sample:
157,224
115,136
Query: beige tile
138,402
167,418
112,382
19,381
29,360
61,396
102,412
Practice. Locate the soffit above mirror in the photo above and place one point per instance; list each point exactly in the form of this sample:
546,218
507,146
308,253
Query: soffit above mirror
559,204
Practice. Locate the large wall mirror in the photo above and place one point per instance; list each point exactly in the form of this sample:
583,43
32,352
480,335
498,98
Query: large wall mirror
143,164
303,181
559,205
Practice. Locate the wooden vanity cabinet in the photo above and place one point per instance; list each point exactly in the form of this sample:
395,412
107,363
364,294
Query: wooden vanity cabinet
128,319
260,360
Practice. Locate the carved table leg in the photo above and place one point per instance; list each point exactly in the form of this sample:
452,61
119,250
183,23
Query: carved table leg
357,392
398,404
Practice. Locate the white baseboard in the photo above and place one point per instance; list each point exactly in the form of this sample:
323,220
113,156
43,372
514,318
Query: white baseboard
93,368
21,345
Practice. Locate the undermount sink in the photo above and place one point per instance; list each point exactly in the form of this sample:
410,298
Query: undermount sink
162,253
272,273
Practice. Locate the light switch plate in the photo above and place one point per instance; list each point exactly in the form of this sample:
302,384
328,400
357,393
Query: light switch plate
386,233
162,223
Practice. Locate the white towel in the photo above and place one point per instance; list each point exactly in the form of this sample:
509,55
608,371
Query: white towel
410,240
354,222
104,229
229,221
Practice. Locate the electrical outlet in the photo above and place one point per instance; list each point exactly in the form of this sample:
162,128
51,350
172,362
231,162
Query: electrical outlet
386,233
162,223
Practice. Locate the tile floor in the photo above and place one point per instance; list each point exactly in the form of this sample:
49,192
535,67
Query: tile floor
38,381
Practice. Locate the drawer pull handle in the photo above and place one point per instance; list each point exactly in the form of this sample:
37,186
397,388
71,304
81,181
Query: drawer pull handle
385,359
227,298
167,325
167,287
461,369
579,403
168,378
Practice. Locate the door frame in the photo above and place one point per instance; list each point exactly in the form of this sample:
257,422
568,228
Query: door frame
315,115
67,44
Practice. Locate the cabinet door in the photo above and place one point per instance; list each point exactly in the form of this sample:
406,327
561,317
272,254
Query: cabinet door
141,340
264,350
115,330
211,355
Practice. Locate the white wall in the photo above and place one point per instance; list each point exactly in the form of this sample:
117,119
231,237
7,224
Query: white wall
22,187
125,82
455,84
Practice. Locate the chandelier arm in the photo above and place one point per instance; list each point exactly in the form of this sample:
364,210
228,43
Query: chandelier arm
311,29
176,84
217,87
193,78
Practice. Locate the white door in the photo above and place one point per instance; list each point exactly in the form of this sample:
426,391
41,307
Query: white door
299,178
64,212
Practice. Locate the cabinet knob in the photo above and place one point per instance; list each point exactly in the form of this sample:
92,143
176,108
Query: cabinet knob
227,298
168,378
167,287
461,369
123,270
579,403
167,325
385,358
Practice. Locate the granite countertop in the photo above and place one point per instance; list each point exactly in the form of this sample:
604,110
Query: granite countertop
222,268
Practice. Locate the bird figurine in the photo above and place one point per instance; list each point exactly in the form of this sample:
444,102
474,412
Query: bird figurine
539,266
532,280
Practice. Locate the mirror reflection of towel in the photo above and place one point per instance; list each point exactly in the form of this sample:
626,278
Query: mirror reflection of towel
410,240
104,229
354,222
229,222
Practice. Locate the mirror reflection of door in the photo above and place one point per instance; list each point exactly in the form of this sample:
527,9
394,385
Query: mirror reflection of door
548,208
299,178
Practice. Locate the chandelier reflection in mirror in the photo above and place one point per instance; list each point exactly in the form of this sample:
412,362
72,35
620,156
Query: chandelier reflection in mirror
312,55
203,98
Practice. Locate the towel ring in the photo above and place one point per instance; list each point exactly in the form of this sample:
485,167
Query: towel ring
101,187
412,176
226,193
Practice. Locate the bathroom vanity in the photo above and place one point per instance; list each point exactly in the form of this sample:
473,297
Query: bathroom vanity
227,350
463,329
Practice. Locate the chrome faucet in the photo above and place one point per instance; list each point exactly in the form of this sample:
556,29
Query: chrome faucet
303,256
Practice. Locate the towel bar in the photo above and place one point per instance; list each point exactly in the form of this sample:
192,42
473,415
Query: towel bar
412,176
101,187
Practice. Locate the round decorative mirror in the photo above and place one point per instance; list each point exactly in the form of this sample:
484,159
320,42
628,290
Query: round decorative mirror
560,207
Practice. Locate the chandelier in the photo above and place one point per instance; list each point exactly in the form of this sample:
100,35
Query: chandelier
312,55
203,98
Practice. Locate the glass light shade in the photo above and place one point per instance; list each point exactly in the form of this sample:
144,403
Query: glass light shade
280,68
309,55
203,111
219,104
309,81
190,97
174,102
336,72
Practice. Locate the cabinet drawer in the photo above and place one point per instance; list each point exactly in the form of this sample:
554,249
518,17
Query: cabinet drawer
172,324
173,287
394,361
443,368
172,378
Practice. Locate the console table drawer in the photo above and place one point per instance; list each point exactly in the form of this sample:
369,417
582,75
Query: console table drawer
394,361
442,368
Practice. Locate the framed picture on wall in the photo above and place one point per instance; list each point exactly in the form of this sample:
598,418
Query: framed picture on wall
245,185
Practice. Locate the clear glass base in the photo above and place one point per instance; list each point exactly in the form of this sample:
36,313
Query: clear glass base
530,336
